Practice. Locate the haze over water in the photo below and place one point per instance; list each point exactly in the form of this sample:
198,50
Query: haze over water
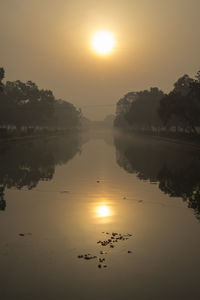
99,150
62,193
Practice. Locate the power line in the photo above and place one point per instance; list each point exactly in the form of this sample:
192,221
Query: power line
97,105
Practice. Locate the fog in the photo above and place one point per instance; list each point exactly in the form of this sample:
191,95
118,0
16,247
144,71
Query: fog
49,42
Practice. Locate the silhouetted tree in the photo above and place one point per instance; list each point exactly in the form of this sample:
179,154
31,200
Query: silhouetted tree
138,110
66,115
123,107
178,111
24,105
2,74
198,76
181,107
143,111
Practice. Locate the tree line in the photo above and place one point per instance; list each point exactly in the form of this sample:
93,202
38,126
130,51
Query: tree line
154,111
25,107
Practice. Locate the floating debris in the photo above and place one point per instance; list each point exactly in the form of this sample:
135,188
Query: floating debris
103,252
128,234
25,234
114,233
114,238
101,259
104,243
98,181
64,192
89,256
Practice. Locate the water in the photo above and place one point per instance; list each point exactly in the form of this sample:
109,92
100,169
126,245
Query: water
61,193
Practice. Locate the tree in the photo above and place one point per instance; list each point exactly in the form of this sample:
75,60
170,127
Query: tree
66,116
143,111
24,105
198,76
181,107
2,74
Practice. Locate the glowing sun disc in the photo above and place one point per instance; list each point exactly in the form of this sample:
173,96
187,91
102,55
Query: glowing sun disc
103,42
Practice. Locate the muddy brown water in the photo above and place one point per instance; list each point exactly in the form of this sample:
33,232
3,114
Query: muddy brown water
60,196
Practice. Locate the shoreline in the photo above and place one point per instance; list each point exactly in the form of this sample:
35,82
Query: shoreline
4,141
178,141
175,140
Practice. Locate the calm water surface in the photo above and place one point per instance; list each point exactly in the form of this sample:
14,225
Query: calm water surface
60,194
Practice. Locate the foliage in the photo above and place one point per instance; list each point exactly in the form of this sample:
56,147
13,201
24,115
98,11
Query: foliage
25,105
2,74
153,110
138,110
181,107
143,111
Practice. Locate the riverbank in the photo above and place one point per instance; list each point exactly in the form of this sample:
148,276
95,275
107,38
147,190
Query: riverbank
191,141
14,139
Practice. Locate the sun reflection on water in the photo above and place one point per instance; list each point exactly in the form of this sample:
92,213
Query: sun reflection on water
103,211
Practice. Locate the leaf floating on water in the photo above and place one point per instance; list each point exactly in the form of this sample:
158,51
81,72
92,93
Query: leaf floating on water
103,252
114,233
114,238
101,259
24,234
64,192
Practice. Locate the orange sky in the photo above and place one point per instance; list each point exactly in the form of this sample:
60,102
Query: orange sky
49,42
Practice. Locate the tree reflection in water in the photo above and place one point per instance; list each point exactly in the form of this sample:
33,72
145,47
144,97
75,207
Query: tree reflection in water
175,167
25,164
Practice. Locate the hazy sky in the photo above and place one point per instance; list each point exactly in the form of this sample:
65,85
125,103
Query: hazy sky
48,41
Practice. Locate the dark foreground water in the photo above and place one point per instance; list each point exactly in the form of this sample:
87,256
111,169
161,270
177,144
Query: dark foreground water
134,202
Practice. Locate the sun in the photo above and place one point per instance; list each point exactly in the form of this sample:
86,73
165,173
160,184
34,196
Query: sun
103,42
